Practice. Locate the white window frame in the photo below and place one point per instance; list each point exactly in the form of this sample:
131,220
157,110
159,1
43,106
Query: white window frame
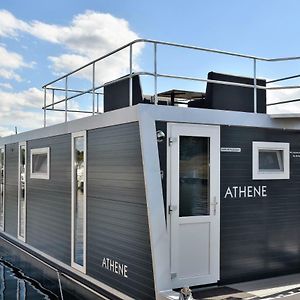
35,151
19,189
270,174
3,200
73,263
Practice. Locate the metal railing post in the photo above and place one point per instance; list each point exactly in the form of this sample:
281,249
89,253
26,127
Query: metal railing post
130,72
66,99
255,85
52,99
45,109
155,74
94,88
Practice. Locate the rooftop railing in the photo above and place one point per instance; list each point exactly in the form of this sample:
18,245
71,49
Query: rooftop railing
96,91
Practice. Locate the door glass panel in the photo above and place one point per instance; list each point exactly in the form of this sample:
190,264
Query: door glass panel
193,176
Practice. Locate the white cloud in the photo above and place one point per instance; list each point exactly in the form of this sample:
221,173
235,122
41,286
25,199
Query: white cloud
10,62
4,131
23,110
68,62
5,85
10,25
31,98
88,36
20,109
9,74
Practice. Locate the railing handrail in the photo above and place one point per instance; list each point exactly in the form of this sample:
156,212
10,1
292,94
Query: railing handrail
156,75
80,93
174,45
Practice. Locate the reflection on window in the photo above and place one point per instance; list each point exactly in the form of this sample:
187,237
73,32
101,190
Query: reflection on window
22,192
2,188
194,176
21,289
40,163
270,160
79,200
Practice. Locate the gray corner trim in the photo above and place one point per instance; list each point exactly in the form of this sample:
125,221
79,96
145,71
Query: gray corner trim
120,116
216,117
159,237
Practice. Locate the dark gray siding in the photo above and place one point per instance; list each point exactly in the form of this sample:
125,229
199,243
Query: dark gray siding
117,219
260,236
11,189
49,201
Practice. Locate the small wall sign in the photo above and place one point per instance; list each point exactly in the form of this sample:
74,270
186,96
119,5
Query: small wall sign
228,149
295,154
114,266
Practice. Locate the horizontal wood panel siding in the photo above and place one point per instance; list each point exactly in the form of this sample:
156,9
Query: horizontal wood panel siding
117,219
260,236
49,201
11,189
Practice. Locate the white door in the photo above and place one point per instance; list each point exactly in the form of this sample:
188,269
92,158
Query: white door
194,203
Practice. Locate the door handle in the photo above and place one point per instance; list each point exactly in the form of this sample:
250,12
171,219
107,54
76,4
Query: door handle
215,203
172,208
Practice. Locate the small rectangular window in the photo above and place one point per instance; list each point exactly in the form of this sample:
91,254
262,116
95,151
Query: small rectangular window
40,163
271,160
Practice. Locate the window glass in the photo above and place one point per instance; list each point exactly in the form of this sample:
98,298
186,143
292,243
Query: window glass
79,200
194,176
40,163
22,191
270,160
2,188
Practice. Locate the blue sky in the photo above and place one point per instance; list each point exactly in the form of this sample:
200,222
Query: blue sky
42,39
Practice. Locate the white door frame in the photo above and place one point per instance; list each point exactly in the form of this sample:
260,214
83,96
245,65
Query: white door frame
213,132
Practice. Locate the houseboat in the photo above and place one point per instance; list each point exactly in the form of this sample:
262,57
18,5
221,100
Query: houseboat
153,193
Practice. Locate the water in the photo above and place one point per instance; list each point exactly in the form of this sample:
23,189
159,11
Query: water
22,277
14,284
